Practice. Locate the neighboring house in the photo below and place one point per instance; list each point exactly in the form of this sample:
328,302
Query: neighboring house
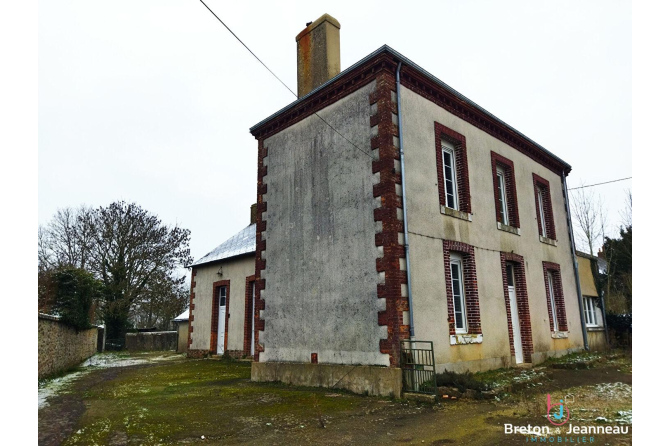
490,278
221,304
181,324
592,303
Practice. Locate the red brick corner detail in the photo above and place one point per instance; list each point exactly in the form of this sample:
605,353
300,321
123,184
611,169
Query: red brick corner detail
248,313
261,225
191,307
385,161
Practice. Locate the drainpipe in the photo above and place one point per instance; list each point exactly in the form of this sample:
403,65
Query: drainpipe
404,204
574,261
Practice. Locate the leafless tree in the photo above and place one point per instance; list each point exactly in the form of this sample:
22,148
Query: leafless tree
627,212
65,240
589,215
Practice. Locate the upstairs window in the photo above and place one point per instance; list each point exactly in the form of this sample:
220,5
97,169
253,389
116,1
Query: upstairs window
449,170
543,208
452,172
504,189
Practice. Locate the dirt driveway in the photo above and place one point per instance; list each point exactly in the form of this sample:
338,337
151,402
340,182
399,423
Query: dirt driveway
158,399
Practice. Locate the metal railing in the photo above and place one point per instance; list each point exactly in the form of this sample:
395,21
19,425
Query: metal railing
417,360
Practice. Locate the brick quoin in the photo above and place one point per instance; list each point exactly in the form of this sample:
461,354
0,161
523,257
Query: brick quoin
214,336
543,185
472,313
261,225
521,303
191,307
461,162
561,316
510,186
387,214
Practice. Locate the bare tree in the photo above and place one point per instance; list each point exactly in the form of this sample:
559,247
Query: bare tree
65,240
589,215
627,213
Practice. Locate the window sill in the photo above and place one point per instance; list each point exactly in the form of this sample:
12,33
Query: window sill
454,213
464,339
548,241
559,334
510,229
595,328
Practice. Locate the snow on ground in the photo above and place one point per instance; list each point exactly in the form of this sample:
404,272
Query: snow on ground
51,387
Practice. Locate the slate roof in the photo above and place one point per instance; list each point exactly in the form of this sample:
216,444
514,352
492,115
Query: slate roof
244,242
182,317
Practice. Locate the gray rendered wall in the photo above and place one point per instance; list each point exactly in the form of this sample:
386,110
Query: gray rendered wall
321,279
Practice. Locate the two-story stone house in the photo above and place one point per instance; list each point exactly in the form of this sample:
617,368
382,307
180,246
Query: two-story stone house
381,160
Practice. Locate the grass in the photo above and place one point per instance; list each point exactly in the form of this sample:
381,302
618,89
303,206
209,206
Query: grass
183,401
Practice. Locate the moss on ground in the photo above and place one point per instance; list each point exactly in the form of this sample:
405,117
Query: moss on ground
184,400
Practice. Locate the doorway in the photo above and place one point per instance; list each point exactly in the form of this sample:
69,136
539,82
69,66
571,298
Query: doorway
514,310
223,320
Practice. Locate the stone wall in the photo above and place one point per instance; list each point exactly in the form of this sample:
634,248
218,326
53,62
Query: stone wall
152,341
61,347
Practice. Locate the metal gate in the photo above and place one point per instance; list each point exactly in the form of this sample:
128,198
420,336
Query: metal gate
418,366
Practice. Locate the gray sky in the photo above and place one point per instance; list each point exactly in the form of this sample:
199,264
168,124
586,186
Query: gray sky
151,101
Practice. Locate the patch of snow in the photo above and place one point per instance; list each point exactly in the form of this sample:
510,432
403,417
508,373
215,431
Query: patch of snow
46,389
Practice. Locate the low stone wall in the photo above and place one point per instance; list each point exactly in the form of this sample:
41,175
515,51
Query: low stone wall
61,347
370,380
151,341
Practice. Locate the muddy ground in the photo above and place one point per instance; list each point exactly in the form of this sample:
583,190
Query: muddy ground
155,399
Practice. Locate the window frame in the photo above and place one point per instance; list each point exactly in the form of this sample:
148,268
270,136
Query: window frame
553,282
449,149
456,147
506,203
456,260
502,194
590,309
543,207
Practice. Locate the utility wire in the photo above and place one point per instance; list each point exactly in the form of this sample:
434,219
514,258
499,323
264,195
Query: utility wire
252,53
282,82
598,184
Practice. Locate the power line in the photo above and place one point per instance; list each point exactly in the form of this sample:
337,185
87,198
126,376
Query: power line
598,184
282,82
252,53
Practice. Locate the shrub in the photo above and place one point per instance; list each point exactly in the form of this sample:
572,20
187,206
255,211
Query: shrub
75,292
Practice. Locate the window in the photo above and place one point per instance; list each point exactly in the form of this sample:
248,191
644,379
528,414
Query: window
502,195
555,303
452,172
462,294
590,311
545,214
449,167
504,189
552,299
458,293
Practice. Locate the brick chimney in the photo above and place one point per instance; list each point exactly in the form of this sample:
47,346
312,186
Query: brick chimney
318,53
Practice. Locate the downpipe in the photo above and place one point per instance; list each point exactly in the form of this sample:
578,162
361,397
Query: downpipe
575,266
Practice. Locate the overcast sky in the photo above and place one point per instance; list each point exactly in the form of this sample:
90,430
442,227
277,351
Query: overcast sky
151,101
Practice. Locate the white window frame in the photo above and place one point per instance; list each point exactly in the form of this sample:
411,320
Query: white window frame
552,300
223,294
590,311
502,192
450,149
458,292
540,205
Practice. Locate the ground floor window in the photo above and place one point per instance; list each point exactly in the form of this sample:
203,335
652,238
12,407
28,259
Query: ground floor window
590,311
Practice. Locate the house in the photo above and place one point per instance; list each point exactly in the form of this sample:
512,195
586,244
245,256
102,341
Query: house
221,306
592,304
384,159
181,325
